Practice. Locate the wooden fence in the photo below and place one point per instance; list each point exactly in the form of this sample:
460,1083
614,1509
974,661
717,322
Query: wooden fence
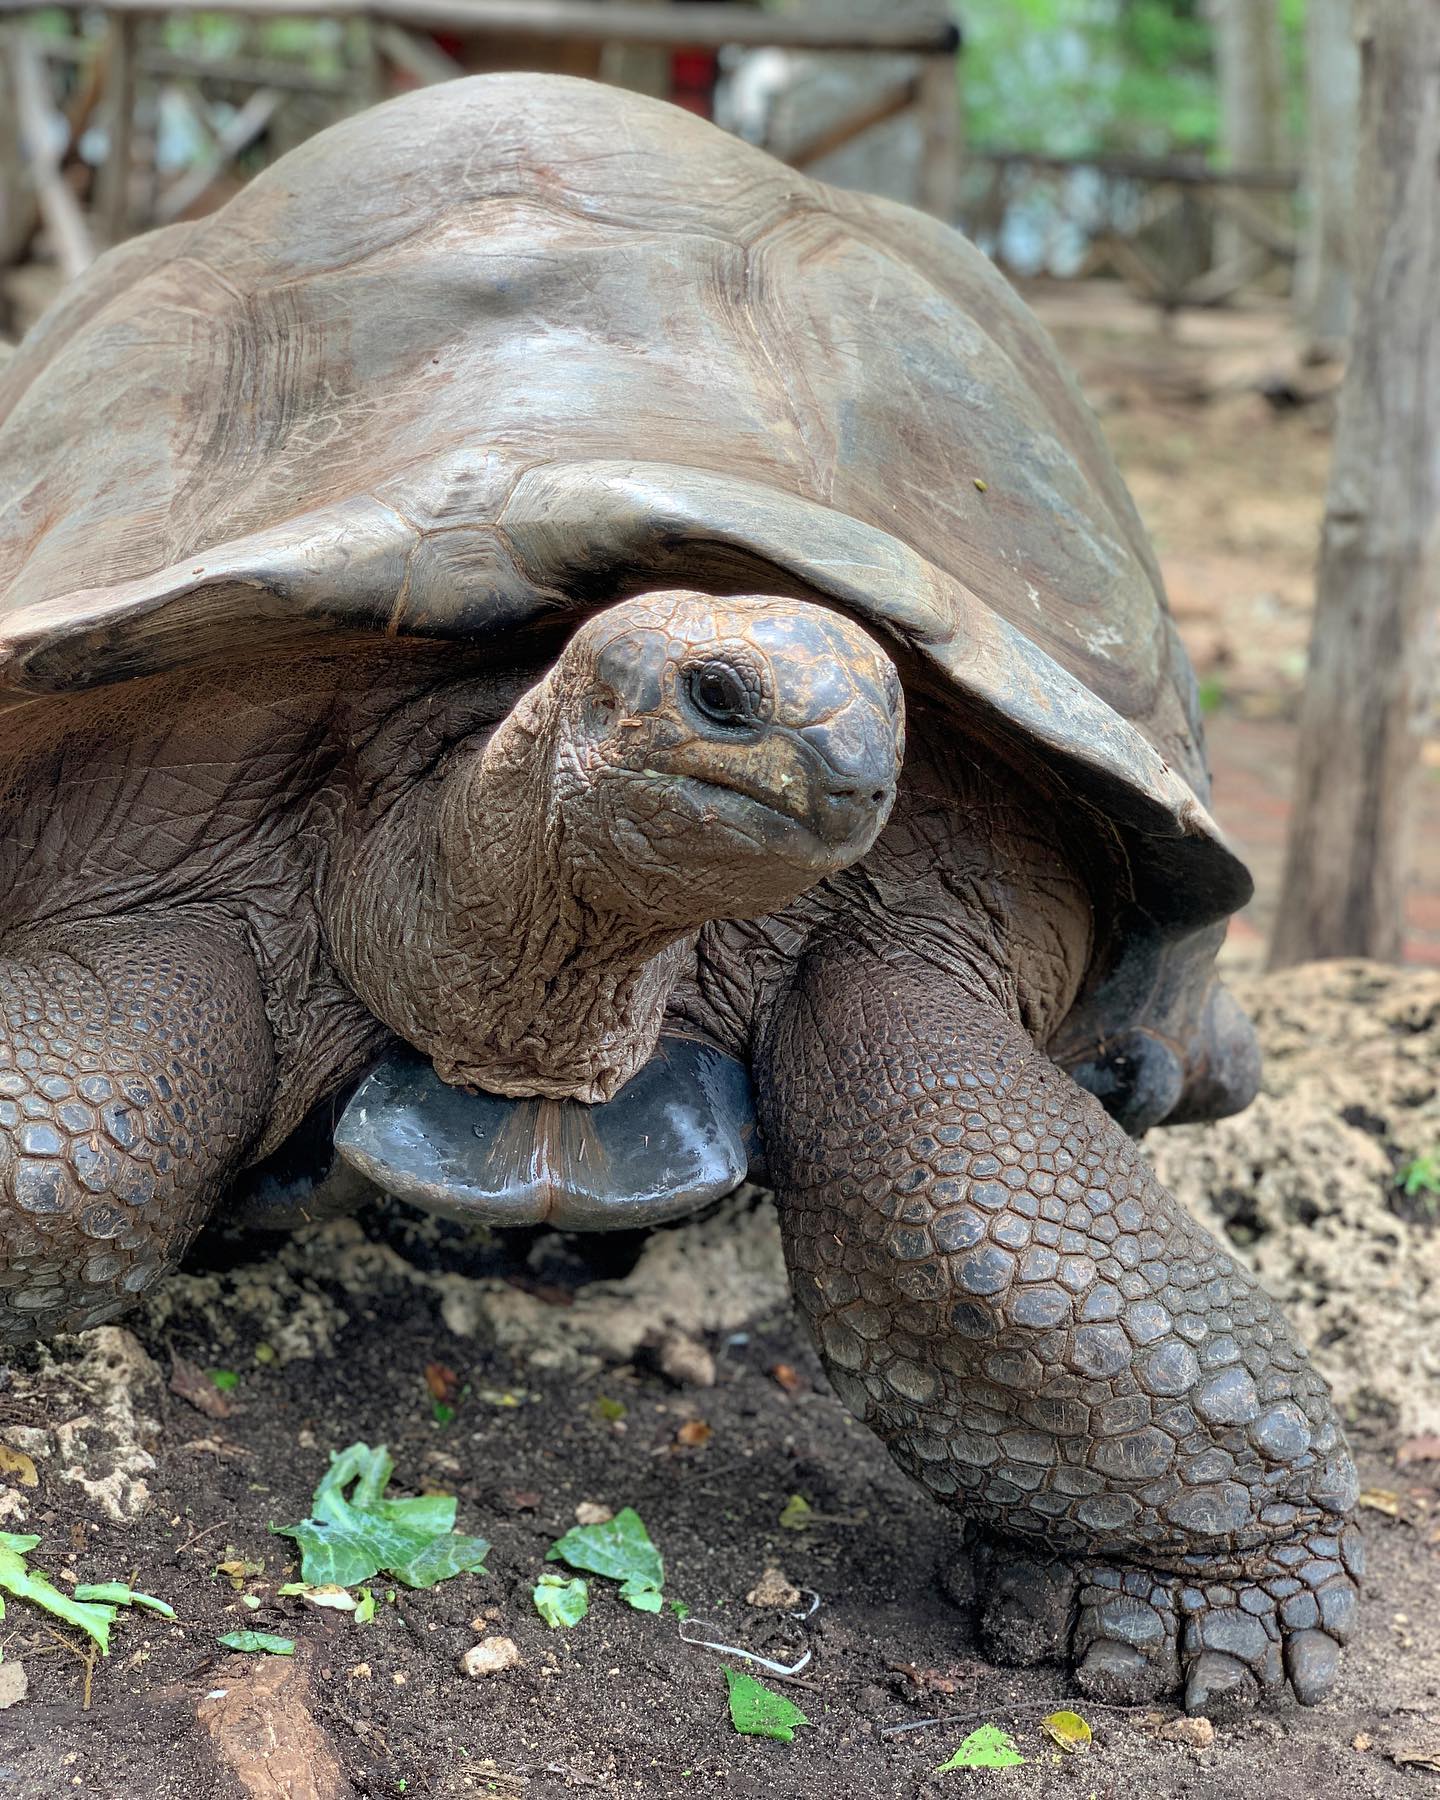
1151,221
63,86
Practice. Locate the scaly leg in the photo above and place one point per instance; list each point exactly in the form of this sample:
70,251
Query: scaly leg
1044,1340
135,1071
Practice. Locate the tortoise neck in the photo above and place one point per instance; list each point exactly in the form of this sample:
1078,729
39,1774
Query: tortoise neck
461,924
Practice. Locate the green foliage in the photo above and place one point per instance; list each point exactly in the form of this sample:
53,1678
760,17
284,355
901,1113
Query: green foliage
1078,77
561,1600
986,1748
94,1618
349,1538
1420,1180
796,1513
757,1711
622,1549
120,1593
264,1641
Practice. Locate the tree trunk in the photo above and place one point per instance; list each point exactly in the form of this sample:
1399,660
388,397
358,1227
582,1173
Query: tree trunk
1372,646
1332,103
1250,71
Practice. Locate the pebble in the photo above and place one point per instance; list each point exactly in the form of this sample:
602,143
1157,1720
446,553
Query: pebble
684,1361
1197,1733
490,1656
774,1588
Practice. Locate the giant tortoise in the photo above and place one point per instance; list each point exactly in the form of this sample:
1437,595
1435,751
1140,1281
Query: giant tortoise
464,607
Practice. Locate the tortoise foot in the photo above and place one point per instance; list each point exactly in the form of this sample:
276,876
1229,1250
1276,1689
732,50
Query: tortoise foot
1225,1632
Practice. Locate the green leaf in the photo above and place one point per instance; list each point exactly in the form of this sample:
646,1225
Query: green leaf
795,1514
561,1599
365,1611
349,1538
120,1593
224,1379
621,1548
258,1640
757,1711
441,1558
680,1610
641,1595
1067,1729
94,1618
987,1748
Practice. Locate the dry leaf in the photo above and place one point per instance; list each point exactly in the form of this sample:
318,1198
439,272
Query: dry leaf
238,1571
785,1377
1422,1756
192,1383
1380,1500
1419,1449
693,1433
15,1465
928,1681
441,1381
1362,1740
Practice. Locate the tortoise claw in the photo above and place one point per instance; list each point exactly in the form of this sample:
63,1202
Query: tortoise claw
1224,1641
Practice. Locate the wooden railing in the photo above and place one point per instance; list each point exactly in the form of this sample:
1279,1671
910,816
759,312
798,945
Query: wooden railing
1150,220
45,183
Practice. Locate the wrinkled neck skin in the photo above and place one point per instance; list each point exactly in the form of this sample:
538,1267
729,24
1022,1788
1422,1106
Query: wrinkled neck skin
967,878
464,919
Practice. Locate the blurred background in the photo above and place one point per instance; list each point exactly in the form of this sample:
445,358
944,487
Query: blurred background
1200,198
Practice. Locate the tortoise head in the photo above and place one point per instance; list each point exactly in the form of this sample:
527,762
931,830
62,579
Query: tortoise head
713,758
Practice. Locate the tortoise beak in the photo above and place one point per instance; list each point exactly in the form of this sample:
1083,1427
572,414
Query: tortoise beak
836,777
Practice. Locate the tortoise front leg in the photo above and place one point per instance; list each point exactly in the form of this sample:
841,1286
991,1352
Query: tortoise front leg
135,1070
1002,1290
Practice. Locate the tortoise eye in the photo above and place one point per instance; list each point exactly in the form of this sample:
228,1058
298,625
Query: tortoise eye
718,693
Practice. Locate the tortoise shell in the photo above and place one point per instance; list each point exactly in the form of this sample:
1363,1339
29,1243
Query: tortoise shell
501,351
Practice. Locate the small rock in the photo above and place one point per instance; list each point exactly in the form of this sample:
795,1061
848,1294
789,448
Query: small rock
30,1438
489,1657
774,1588
14,1683
684,1361
593,1512
1198,1733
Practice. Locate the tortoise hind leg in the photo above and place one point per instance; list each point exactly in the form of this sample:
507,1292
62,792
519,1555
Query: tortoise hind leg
136,1068
1046,1342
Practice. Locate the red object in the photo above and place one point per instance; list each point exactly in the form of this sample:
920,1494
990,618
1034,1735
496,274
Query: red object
692,80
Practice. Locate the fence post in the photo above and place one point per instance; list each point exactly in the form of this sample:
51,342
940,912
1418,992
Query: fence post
112,200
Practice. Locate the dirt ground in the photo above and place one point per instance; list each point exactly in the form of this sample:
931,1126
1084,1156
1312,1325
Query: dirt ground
332,1335
1224,438
667,1374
